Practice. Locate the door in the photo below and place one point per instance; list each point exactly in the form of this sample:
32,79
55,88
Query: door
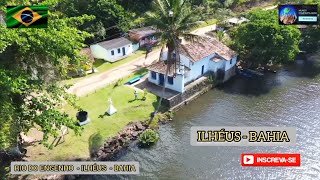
124,51
202,70
161,79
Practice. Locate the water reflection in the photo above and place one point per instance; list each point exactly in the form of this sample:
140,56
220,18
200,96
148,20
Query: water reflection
288,98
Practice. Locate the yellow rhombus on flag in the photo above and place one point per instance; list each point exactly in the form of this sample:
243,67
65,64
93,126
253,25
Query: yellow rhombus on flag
36,16
27,16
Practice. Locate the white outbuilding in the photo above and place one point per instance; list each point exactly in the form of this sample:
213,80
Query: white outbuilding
112,50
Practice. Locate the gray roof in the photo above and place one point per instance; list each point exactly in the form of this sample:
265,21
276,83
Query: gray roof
115,43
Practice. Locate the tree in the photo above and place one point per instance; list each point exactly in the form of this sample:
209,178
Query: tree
31,63
138,7
111,19
262,39
310,40
220,35
173,19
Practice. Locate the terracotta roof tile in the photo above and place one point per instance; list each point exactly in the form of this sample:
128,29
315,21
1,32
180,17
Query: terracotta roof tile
161,67
198,51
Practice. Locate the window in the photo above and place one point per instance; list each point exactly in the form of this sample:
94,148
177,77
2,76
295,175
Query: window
119,50
174,55
231,61
153,75
170,80
112,52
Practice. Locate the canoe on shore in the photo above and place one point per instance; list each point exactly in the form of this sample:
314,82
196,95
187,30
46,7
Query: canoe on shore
252,72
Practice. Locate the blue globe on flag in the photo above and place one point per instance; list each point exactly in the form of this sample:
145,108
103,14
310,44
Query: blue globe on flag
26,16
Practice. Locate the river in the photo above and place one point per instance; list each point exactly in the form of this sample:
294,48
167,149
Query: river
290,97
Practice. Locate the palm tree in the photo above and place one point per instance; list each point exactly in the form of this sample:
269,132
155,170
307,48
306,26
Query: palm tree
173,19
220,35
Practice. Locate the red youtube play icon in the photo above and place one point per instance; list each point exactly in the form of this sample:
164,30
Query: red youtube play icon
248,159
270,159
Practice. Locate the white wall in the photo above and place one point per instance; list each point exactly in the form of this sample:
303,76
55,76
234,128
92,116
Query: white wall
233,63
117,56
99,52
214,66
178,82
196,68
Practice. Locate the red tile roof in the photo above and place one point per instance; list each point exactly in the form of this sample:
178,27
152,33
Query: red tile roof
208,46
161,67
137,34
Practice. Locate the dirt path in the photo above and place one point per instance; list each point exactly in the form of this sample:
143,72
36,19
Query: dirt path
93,83
203,30
90,84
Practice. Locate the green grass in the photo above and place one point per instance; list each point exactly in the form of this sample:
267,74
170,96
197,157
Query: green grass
101,125
103,66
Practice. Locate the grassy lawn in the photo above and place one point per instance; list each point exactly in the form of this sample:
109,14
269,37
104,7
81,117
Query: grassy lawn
103,66
101,125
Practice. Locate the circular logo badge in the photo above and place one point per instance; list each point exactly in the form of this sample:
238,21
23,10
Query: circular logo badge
288,15
27,16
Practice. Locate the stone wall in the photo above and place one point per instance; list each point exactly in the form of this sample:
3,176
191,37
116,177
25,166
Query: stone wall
117,145
196,89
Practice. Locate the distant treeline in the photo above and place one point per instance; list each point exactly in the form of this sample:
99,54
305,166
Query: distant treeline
115,17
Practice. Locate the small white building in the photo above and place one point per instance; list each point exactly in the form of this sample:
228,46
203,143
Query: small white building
112,50
210,56
236,21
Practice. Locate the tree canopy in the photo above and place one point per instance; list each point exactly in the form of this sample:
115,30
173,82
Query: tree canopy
111,19
262,39
31,62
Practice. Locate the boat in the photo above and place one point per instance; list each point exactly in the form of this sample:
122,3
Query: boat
244,74
250,71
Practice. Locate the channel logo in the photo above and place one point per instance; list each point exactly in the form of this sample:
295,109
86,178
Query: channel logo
270,160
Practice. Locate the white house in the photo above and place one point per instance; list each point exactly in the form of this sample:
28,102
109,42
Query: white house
112,50
195,60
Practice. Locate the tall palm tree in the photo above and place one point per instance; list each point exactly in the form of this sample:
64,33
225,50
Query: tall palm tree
173,19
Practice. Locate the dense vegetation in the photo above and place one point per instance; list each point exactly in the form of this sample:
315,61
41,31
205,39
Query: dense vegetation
262,39
148,137
111,19
31,62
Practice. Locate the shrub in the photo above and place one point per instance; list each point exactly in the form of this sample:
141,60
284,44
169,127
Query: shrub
149,137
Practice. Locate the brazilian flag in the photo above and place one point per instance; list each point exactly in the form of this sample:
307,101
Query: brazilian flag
27,16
